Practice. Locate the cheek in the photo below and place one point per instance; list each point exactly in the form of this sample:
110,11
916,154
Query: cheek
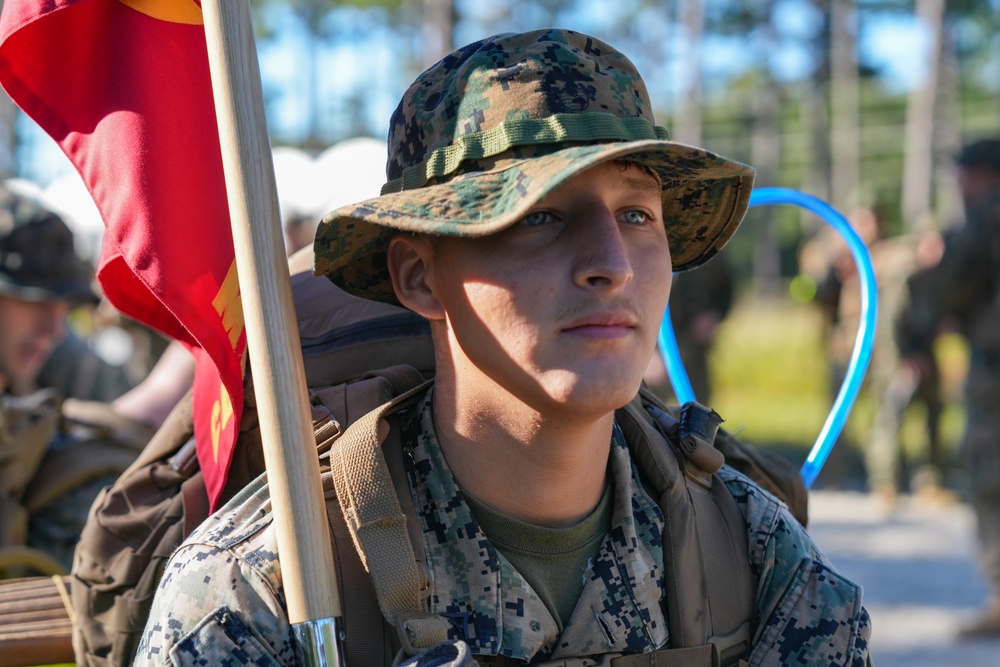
657,274
497,317
497,307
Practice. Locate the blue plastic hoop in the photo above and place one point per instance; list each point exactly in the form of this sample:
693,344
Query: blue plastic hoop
863,343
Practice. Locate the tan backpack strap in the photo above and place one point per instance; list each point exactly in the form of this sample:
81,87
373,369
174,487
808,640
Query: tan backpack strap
706,560
364,626
705,655
371,509
176,430
27,424
378,525
721,533
686,605
692,656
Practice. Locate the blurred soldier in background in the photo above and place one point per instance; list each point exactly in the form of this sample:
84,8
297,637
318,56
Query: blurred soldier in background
962,292
893,382
54,457
40,279
699,301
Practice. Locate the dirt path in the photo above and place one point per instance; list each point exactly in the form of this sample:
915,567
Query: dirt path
917,564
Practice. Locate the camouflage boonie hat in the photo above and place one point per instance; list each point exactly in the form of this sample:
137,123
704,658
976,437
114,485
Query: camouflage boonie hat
483,135
37,259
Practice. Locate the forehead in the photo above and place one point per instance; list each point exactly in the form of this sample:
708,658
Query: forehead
621,175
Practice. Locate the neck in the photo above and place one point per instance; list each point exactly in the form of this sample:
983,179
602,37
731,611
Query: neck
543,469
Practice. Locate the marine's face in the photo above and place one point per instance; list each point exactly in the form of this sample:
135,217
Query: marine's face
28,332
563,308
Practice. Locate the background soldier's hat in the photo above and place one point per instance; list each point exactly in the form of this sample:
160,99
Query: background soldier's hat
483,135
37,259
984,153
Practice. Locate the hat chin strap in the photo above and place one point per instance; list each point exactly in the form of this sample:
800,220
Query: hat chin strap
593,126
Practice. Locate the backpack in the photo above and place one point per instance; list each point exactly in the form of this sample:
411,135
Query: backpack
51,453
136,524
380,561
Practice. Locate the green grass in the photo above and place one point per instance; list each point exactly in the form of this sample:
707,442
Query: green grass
771,379
769,373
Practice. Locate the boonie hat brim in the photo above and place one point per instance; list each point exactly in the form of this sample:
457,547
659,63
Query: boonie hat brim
705,197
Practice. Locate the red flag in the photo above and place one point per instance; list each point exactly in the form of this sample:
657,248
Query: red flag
123,86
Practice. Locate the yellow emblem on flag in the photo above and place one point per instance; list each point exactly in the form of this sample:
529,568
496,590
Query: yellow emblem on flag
229,305
222,412
175,11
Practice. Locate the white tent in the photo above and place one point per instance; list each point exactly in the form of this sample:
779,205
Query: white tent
308,187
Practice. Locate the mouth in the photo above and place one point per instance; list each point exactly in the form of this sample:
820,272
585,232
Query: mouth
603,326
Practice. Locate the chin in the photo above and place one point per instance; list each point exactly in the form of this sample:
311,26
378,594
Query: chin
597,395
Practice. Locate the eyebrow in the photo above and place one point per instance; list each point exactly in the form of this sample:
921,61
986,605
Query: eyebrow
646,185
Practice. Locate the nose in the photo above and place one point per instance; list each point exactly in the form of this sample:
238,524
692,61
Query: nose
604,261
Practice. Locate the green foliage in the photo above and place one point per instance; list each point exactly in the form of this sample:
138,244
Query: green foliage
771,380
769,372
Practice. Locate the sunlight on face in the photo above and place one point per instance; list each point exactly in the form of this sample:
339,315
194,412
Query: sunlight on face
562,309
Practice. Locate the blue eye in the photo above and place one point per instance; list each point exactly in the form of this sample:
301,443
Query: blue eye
635,217
536,218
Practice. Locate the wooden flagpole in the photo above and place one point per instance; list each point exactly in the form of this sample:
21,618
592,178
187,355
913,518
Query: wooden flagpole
272,335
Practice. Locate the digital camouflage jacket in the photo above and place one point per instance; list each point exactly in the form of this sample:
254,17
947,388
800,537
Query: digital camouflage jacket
220,600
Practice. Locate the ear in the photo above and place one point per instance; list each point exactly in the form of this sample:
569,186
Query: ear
411,265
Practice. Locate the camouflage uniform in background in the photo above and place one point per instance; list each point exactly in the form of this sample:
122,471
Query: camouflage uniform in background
897,383
221,602
962,292
894,384
477,142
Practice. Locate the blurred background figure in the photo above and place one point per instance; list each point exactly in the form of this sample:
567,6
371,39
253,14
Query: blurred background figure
41,279
699,301
54,456
893,384
962,293
310,185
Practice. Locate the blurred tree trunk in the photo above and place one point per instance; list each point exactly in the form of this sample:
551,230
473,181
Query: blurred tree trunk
918,149
815,115
844,105
8,137
947,135
312,14
765,151
437,27
688,125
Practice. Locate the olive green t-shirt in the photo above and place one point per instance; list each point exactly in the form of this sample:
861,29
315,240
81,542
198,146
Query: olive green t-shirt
553,560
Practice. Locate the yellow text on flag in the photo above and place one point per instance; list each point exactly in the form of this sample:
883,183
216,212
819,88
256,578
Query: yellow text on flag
229,305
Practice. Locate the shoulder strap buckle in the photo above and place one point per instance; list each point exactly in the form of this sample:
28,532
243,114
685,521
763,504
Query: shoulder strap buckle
419,630
696,435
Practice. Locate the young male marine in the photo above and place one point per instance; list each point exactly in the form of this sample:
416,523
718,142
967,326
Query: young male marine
534,214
